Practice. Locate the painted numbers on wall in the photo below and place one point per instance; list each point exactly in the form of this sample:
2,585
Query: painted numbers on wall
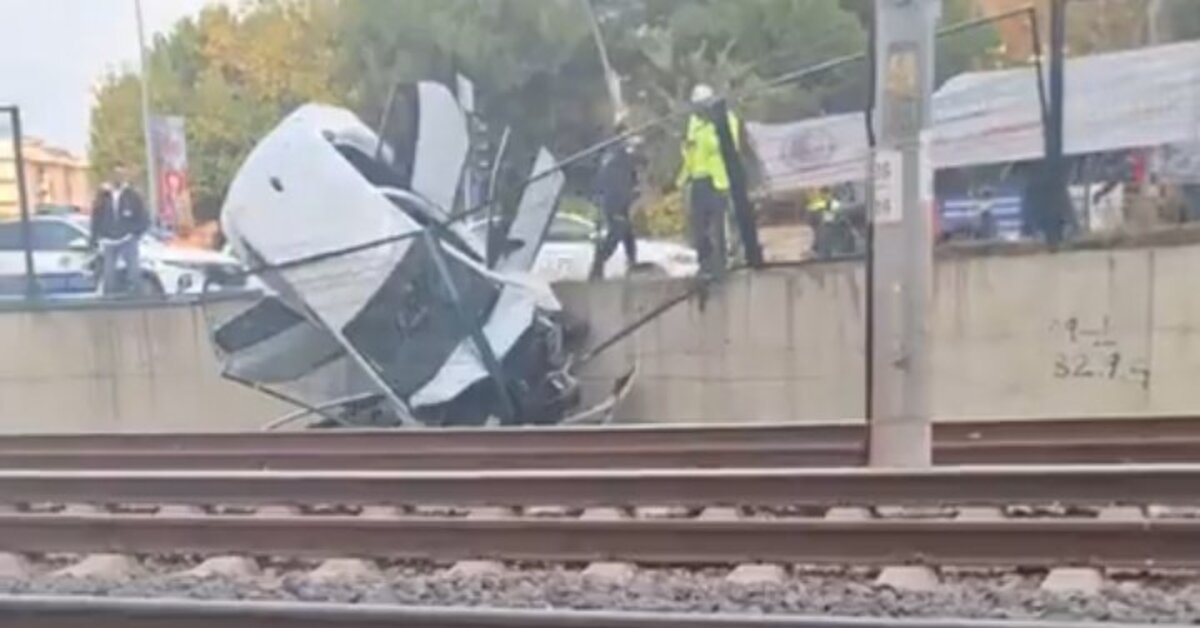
1089,350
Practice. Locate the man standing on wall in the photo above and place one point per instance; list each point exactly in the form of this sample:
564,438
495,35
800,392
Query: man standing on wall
616,187
703,172
119,219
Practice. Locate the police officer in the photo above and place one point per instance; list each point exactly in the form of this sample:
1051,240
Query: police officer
703,172
616,184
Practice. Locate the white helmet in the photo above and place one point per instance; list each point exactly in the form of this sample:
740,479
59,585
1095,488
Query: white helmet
702,93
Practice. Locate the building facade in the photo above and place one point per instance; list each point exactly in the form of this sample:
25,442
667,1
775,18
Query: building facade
54,178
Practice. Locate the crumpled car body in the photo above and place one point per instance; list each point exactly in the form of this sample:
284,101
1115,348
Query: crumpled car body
376,310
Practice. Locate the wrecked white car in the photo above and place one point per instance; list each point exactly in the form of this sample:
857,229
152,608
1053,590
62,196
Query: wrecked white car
378,309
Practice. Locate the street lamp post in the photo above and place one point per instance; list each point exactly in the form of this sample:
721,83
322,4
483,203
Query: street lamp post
147,133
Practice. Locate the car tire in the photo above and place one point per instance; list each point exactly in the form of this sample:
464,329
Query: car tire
152,287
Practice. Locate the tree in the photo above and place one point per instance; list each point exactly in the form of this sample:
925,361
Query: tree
662,48
508,48
231,76
1106,25
976,48
534,63
670,45
1180,20
116,127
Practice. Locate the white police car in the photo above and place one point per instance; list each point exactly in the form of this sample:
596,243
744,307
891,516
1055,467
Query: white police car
63,263
570,245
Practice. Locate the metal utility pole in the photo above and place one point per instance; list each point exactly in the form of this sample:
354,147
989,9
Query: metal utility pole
611,79
32,288
902,260
1055,201
147,133
739,194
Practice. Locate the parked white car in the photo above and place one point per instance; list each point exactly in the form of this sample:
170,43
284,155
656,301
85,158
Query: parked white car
570,246
63,261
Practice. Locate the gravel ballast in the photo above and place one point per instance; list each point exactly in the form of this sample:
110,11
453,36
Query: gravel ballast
1003,596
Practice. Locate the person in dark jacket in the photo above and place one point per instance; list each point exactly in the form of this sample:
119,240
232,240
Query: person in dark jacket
119,219
616,189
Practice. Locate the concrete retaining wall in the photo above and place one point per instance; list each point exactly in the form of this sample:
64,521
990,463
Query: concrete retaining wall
1090,332
1097,332
118,370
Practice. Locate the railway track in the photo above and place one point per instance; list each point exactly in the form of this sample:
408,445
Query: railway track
1058,441
65,612
655,517
1137,518
659,531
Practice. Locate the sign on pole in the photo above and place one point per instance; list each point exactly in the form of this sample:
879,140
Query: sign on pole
170,160
902,246
889,186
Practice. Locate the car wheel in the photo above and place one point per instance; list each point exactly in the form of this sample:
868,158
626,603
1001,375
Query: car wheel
152,287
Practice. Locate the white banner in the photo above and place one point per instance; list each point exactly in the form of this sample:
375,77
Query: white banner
809,153
1139,98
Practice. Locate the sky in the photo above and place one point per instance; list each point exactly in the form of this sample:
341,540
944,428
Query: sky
53,52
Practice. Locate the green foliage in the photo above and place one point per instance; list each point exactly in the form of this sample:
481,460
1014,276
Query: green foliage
231,76
116,129
977,48
661,216
1106,26
662,48
1181,19
511,49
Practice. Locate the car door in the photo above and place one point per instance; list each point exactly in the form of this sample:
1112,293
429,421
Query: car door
61,265
567,252
12,260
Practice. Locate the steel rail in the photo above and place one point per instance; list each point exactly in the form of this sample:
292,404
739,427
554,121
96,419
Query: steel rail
975,485
703,456
1111,440
392,441
91,612
1003,543
607,437
770,455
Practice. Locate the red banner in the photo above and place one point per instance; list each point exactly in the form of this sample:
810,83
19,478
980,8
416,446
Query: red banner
170,160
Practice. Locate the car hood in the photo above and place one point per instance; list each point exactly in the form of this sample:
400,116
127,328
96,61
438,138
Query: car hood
183,255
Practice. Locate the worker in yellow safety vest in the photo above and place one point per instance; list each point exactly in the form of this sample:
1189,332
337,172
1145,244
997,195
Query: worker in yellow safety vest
707,181
820,204
823,207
